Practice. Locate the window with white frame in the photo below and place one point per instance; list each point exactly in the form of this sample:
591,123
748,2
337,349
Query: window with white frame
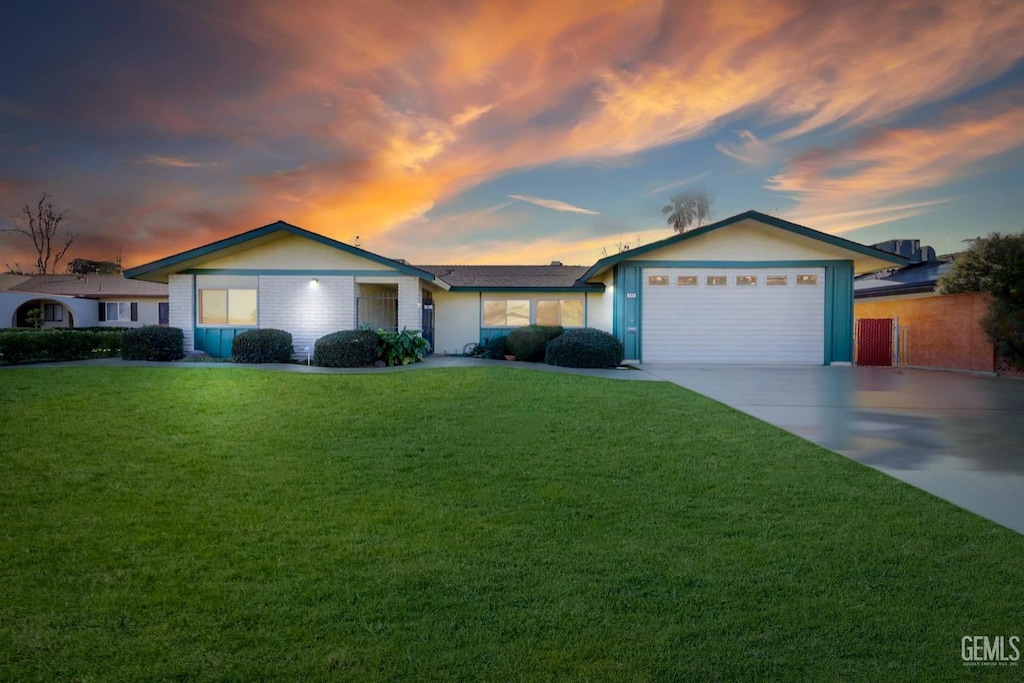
118,311
564,312
506,312
227,307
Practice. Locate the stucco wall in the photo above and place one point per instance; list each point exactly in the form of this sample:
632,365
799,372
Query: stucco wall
294,253
942,331
149,312
456,320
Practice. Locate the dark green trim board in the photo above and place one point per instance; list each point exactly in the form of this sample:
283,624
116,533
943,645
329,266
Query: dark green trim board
273,272
279,226
575,289
627,307
802,230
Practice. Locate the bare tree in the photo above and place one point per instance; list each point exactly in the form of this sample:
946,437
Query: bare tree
690,208
41,225
620,247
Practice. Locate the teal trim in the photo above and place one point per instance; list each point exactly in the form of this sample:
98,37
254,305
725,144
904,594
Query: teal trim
216,341
628,307
757,216
309,273
497,290
842,314
279,226
820,263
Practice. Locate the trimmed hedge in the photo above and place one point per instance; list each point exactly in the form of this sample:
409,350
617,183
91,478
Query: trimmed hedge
584,348
346,349
528,343
35,346
262,346
153,343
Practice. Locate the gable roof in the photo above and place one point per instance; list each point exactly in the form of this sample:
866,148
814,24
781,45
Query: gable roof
272,228
482,278
89,286
795,228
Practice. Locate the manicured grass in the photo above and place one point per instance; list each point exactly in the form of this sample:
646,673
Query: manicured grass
498,524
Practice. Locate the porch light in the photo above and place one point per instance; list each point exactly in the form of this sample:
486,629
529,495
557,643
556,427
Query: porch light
315,281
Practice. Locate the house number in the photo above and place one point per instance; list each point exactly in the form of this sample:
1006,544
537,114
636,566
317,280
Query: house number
630,295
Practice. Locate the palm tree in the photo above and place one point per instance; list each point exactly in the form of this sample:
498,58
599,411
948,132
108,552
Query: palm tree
690,208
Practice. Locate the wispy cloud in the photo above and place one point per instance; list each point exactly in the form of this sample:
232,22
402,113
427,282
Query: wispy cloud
749,149
553,204
175,162
677,184
850,187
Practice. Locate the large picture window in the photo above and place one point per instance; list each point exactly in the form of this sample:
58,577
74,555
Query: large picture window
227,306
120,311
506,312
564,312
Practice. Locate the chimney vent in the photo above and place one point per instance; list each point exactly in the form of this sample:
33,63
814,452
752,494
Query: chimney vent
556,263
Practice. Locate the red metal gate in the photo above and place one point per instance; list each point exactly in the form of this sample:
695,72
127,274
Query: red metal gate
875,341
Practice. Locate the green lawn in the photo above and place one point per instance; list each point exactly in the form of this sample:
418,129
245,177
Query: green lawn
499,524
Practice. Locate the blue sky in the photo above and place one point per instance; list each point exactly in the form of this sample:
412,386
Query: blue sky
509,132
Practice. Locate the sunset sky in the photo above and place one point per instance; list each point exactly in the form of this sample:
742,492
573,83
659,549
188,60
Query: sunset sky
508,132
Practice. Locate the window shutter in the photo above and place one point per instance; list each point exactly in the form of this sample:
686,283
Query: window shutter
103,312
135,312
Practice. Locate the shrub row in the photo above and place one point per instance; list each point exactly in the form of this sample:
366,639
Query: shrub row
528,343
34,346
262,346
153,343
359,348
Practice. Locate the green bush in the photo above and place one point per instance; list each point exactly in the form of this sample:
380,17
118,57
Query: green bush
584,348
33,346
262,346
153,343
402,348
1004,325
528,343
496,348
346,349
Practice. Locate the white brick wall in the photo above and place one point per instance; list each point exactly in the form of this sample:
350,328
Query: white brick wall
306,309
410,303
180,291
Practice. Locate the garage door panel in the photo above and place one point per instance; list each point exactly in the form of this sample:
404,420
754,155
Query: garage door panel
733,323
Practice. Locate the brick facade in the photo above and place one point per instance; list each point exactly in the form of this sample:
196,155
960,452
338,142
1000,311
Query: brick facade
943,331
181,292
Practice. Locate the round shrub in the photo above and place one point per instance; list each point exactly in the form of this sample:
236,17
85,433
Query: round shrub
262,346
346,349
528,343
584,348
153,343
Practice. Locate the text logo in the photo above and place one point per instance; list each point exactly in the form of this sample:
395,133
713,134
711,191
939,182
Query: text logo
990,650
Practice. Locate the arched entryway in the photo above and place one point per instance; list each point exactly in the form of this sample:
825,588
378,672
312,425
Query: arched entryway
55,314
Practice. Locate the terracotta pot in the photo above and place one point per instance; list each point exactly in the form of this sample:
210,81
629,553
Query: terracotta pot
507,357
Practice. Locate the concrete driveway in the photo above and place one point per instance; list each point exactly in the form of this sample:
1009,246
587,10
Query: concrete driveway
957,436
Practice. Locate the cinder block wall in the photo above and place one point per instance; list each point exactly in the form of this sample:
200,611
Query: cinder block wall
944,331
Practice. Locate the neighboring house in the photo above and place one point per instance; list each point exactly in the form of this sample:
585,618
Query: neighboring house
907,322
82,301
750,288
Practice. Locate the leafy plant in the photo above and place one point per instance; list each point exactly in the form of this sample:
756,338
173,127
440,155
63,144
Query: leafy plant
36,318
153,343
496,348
528,343
262,346
584,348
346,349
402,348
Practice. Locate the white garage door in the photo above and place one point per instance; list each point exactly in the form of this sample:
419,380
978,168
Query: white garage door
732,315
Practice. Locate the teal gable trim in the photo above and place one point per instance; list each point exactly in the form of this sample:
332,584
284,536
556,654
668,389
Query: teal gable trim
279,226
575,289
735,264
754,215
310,273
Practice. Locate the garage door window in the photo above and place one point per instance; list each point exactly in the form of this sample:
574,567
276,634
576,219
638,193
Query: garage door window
717,280
506,312
811,280
564,312
746,280
657,280
777,280
686,281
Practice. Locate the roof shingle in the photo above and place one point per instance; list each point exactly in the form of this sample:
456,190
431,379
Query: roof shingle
89,286
507,276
